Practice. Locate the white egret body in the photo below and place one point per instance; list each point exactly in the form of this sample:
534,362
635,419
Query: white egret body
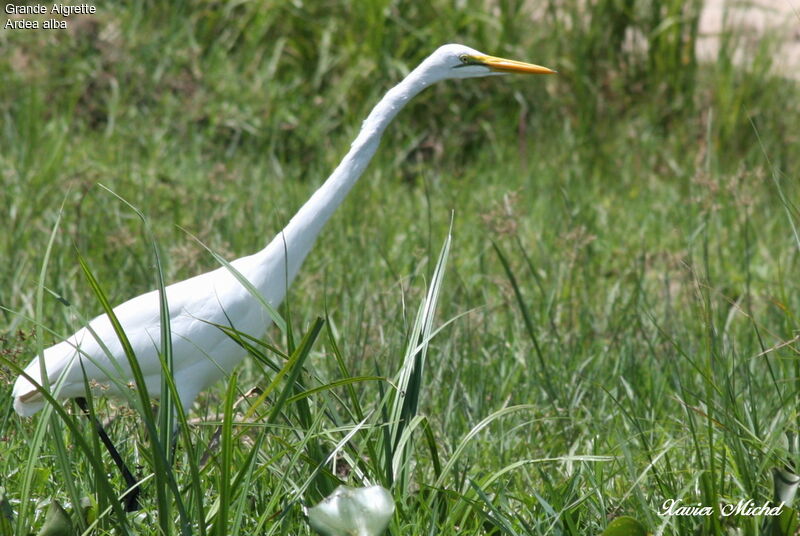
202,353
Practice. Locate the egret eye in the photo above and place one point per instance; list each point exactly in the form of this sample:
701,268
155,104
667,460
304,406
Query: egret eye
464,58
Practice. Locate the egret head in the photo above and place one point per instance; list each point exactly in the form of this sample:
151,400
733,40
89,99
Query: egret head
459,61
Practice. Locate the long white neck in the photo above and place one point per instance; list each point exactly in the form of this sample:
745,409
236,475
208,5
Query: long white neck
298,237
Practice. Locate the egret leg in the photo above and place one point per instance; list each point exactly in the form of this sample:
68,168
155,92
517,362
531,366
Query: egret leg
173,444
131,499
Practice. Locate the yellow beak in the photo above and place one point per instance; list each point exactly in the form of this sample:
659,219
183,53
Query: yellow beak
502,65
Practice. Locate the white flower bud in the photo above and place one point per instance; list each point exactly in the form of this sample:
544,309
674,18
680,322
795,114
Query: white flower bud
353,512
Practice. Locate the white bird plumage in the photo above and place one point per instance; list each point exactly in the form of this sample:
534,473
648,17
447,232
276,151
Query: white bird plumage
202,353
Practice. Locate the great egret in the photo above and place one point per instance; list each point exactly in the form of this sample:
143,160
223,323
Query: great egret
202,353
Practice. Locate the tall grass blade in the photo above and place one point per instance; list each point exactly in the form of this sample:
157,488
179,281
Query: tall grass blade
36,444
226,459
544,372
164,476
408,391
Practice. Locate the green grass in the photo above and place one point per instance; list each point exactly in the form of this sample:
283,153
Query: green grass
618,309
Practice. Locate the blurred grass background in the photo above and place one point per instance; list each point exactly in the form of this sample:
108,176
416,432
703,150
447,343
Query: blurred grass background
643,203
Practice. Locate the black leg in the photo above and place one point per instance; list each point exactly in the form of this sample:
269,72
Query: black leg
131,499
173,445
